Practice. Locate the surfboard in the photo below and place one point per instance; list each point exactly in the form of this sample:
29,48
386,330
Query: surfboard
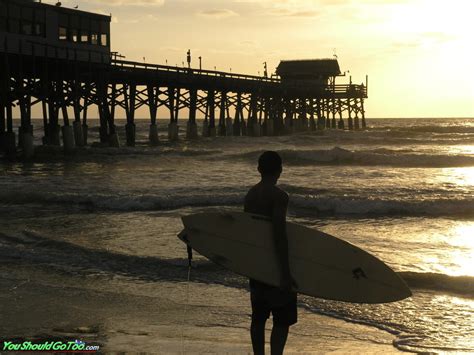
322,265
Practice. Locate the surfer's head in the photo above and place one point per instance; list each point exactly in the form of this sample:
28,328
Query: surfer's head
270,164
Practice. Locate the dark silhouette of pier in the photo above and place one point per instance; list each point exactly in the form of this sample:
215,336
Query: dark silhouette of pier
76,70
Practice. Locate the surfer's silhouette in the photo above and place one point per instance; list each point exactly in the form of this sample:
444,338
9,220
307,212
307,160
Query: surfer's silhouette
267,199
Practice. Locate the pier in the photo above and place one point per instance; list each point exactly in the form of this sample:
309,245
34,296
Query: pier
70,68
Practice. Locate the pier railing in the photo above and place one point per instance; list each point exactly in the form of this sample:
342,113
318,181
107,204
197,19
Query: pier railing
191,71
325,90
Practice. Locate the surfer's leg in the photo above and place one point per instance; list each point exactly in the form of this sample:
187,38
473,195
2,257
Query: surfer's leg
257,332
278,338
260,313
283,317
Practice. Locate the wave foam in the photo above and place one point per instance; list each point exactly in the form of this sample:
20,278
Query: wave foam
463,285
380,156
306,203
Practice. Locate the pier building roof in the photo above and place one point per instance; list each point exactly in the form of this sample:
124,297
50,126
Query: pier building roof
308,69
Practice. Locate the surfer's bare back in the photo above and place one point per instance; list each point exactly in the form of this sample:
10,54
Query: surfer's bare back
265,198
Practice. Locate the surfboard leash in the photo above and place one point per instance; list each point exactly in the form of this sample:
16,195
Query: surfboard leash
190,255
190,258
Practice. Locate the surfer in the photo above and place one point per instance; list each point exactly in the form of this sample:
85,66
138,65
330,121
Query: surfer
265,198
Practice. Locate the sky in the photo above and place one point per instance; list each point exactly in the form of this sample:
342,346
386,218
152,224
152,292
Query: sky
418,54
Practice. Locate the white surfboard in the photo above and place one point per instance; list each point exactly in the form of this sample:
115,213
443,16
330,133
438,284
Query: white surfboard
322,265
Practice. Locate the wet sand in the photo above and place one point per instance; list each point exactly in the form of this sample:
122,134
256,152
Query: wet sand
37,306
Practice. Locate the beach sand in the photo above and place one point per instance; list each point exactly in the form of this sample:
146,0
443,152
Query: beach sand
37,305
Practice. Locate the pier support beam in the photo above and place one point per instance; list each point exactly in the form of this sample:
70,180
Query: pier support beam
66,129
303,125
229,129
113,138
211,108
68,139
312,122
238,116
356,122
224,128
328,112
44,107
85,127
27,145
340,123
77,127
53,113
174,98
288,117
130,99
362,110
153,107
270,127
103,107
191,130
173,130
153,135
191,127
9,139
320,118
252,120
9,136
349,110
78,133
333,112
10,144
205,127
2,123
25,131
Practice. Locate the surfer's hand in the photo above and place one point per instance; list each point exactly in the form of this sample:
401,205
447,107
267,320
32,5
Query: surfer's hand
294,285
289,284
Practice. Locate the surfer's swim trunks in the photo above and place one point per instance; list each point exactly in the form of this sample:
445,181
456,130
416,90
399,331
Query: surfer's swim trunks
266,299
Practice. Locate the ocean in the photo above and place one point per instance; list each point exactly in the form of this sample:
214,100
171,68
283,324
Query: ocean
106,219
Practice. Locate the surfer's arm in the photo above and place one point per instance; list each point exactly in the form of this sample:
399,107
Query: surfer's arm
280,237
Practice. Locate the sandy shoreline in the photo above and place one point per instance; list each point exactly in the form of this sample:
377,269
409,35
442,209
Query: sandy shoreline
32,307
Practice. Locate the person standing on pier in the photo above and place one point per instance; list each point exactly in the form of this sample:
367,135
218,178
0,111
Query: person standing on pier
265,198
188,58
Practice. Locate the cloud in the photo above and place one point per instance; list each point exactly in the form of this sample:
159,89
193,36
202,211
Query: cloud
407,44
218,13
304,13
293,13
425,39
103,12
139,19
249,43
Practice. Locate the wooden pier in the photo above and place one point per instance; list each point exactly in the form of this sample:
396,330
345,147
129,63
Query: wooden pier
56,78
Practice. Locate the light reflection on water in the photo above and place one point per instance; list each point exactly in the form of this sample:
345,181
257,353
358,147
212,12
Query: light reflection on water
459,177
439,245
461,253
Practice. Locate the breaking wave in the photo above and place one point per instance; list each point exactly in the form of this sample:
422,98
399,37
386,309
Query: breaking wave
383,157
299,203
463,285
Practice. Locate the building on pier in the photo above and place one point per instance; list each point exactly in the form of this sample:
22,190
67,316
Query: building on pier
311,71
34,28
60,59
